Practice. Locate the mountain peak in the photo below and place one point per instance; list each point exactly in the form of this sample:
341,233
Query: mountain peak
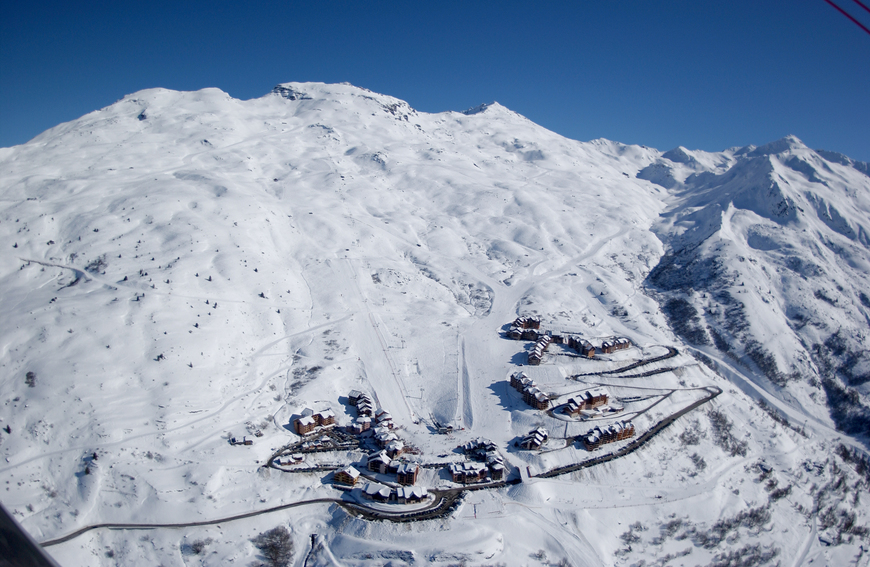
782,145
483,108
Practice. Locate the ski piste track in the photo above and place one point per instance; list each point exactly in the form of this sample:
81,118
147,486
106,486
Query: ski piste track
446,501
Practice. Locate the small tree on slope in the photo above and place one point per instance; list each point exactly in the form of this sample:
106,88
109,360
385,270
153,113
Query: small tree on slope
276,545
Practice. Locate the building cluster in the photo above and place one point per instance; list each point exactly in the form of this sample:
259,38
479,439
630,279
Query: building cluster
365,410
535,439
532,395
582,346
589,400
311,421
594,438
293,459
488,463
348,475
529,329
541,346
620,343
401,495
380,462
525,329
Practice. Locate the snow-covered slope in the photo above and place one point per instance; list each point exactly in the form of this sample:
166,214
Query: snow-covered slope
769,261
182,268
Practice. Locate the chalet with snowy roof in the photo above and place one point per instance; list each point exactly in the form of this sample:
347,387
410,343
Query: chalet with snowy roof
497,471
379,462
525,328
537,353
383,436
395,448
359,425
383,418
479,447
377,492
621,343
411,494
305,424
406,473
527,322
588,400
354,396
582,346
533,396
365,406
347,475
515,380
310,420
468,472
608,347
535,439
598,436
520,381
326,417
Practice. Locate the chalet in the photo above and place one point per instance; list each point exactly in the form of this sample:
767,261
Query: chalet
305,425
535,439
377,492
359,425
407,473
326,417
479,447
379,462
347,475
586,349
383,436
466,473
394,448
527,322
365,408
383,418
621,343
411,494
515,379
309,420
608,347
497,471
537,353
533,396
586,401
592,439
363,402
525,382
618,431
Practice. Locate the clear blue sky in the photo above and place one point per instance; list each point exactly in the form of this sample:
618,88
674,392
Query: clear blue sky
703,74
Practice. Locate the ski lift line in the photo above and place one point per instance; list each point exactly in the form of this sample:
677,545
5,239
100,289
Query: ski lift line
848,15
862,5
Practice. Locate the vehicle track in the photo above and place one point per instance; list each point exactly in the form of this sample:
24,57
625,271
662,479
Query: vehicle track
637,443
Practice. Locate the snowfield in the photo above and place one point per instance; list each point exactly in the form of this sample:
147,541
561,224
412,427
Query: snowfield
182,268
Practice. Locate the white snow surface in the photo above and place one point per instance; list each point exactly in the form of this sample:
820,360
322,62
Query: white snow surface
184,267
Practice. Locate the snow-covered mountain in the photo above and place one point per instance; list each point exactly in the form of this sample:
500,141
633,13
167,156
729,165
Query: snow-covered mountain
185,267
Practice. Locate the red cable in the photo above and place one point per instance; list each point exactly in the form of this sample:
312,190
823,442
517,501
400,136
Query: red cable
842,11
862,5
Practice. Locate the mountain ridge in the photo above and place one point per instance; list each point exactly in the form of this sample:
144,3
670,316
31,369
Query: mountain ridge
188,267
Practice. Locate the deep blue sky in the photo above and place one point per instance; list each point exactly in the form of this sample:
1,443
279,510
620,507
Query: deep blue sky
703,74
